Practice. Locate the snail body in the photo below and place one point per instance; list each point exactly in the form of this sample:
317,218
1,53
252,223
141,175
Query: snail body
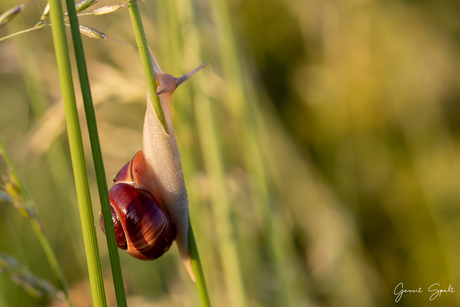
154,176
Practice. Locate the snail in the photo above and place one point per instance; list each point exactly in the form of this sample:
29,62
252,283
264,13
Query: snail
142,226
149,199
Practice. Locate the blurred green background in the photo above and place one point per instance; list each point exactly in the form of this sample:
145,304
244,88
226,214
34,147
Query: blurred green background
320,149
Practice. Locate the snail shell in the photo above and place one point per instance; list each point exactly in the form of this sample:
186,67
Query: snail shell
142,226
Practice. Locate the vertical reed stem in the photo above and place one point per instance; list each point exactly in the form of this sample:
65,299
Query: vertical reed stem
77,155
151,85
241,108
214,166
97,156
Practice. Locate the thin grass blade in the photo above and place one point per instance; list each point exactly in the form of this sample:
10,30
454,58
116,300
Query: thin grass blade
77,155
97,157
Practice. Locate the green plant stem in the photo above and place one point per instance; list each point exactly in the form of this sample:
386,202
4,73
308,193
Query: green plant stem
146,61
214,166
77,155
198,269
23,31
241,108
57,161
152,87
97,156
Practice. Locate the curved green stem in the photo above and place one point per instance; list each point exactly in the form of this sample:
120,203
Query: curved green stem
146,61
24,31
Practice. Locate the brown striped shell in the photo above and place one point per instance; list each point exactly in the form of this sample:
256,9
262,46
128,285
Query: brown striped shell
142,226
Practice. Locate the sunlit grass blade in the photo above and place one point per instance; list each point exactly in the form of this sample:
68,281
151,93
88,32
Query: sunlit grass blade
240,107
222,211
56,158
97,157
77,155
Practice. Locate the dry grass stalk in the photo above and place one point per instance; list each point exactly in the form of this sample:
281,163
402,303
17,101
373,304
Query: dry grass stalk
10,14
